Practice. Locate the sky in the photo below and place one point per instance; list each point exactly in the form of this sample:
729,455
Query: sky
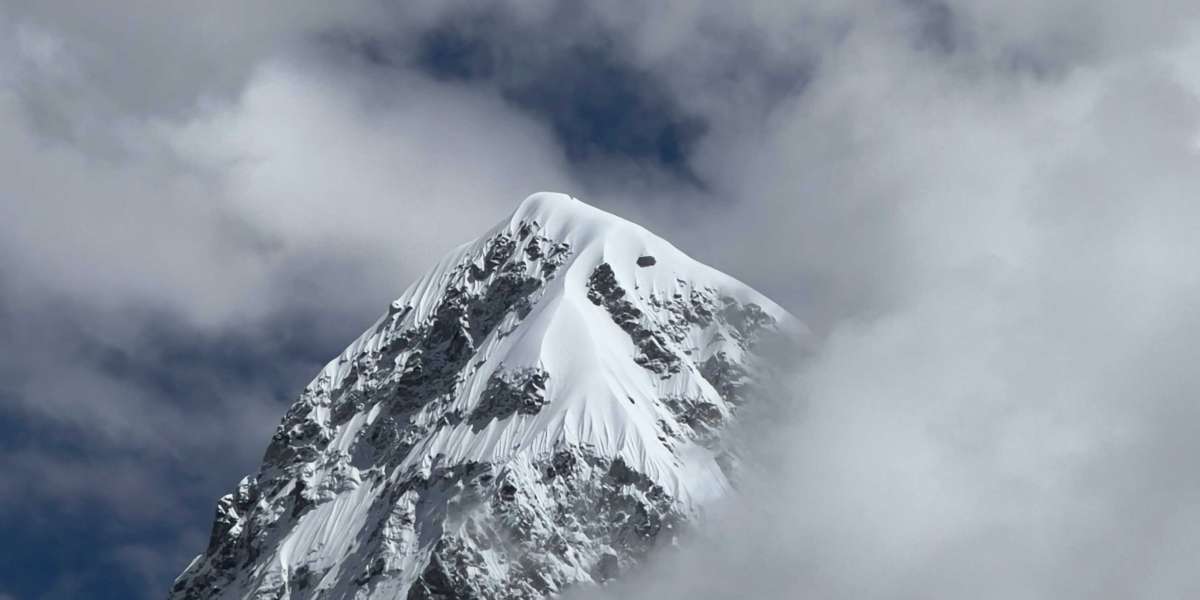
985,211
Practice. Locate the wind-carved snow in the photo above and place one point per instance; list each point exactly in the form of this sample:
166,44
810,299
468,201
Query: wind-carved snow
537,412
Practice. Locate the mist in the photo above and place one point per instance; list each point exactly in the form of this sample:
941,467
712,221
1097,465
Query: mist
1000,262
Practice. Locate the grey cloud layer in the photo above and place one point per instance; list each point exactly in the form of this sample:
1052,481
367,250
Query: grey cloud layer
1002,259
985,210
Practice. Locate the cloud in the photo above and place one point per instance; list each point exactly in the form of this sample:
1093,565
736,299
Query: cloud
164,59
985,210
178,260
1000,261
203,216
379,154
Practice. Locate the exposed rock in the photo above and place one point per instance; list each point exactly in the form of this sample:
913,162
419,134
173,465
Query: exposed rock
509,392
654,355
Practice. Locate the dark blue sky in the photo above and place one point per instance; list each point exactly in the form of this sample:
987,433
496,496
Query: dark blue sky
100,519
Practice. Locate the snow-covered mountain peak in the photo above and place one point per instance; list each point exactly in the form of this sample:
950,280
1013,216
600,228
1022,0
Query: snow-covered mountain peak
571,220
598,236
531,414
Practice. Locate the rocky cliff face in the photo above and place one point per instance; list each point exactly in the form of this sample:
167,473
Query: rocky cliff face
538,412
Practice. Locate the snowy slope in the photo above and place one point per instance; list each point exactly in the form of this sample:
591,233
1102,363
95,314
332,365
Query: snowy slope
536,412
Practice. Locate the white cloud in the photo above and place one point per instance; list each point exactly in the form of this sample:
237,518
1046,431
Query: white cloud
329,162
203,215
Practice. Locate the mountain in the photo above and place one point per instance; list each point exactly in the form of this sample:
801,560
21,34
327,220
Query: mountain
539,411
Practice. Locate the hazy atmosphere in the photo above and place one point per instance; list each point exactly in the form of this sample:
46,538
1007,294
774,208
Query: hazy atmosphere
986,212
